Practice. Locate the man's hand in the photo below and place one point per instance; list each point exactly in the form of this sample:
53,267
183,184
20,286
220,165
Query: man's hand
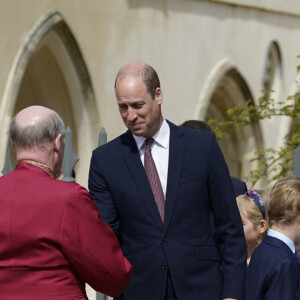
229,299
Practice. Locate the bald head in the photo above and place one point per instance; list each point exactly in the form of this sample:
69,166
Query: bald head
135,69
35,125
33,116
140,70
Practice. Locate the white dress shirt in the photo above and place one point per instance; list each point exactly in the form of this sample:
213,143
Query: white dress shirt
159,151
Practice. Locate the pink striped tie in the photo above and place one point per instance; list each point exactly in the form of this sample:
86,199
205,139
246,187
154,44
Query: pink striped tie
153,178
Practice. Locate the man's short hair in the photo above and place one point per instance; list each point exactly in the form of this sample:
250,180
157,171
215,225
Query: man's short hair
283,205
29,136
148,75
151,80
197,124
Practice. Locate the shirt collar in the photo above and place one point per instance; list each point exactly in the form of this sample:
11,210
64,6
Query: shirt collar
161,137
283,238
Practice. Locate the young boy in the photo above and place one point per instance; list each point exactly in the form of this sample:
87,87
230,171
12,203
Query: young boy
274,270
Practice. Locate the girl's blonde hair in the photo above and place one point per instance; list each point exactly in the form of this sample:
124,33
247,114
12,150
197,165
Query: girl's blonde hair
248,206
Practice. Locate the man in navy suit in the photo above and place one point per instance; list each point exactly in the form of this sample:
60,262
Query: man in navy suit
168,241
239,186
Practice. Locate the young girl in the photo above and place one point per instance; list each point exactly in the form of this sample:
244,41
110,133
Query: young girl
253,216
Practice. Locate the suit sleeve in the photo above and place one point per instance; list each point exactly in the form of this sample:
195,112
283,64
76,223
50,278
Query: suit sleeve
101,194
92,247
228,226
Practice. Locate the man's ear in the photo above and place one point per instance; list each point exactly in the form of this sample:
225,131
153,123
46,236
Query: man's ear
57,143
13,145
159,95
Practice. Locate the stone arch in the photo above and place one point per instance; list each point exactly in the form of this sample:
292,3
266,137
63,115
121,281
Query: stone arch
49,70
273,69
225,88
272,80
288,124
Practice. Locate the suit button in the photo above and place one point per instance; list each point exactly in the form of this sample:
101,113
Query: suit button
163,266
165,239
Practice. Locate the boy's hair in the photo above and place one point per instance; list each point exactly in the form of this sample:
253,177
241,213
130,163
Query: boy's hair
283,206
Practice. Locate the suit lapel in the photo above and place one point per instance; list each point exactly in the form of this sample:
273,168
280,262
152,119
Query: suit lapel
176,154
137,171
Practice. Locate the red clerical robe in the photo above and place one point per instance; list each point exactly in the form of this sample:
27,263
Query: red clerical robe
52,240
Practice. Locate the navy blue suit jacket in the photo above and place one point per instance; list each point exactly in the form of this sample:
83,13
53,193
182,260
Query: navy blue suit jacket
239,186
273,272
198,182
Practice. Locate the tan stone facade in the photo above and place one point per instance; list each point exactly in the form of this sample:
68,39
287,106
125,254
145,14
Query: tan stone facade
209,55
